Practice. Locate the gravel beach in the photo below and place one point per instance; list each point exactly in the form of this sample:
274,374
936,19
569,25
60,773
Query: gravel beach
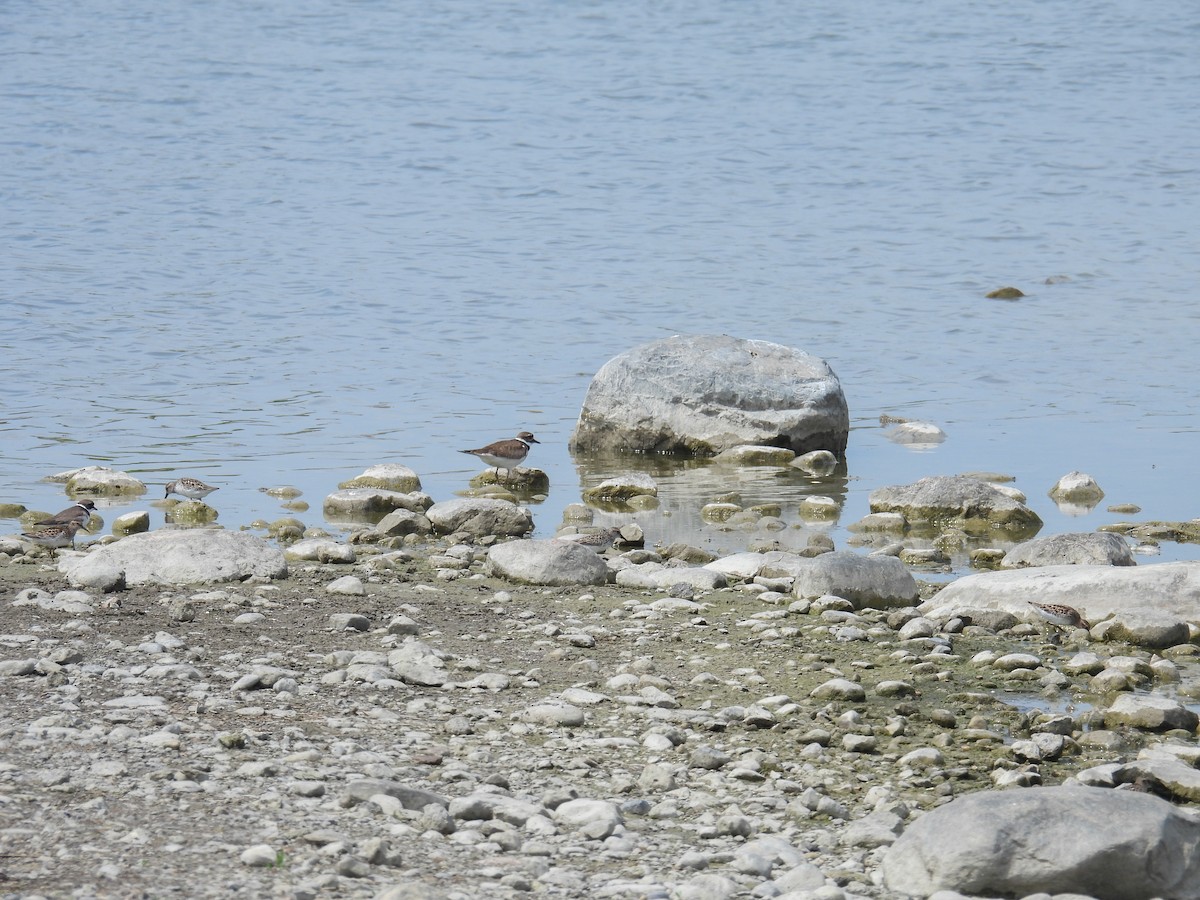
466,737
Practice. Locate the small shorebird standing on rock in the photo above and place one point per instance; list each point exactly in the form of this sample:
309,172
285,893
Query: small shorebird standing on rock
192,488
80,511
54,536
506,455
1062,616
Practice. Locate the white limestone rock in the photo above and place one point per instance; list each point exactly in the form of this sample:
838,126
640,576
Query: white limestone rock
180,556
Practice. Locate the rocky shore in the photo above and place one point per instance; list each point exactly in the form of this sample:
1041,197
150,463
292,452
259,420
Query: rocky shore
411,724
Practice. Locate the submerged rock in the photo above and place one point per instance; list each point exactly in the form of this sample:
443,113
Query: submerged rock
957,501
701,394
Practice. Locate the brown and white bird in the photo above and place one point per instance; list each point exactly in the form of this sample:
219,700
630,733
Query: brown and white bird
599,541
507,454
54,536
1061,615
80,511
189,487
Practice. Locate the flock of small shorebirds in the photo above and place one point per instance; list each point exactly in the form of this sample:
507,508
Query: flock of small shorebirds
59,530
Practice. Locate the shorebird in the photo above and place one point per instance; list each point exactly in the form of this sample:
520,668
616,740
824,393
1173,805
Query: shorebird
506,455
54,536
1060,615
80,511
189,487
597,540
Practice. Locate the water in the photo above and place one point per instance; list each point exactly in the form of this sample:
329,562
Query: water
263,245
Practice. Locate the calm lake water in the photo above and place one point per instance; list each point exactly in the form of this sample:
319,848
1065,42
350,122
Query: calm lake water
267,244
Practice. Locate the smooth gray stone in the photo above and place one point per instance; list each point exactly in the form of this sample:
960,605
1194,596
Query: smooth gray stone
701,394
181,556
1113,845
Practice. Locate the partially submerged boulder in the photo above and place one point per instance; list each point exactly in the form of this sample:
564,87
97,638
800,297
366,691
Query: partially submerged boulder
701,394
387,477
1074,549
957,501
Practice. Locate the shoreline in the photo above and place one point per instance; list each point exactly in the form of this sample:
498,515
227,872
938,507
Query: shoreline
242,731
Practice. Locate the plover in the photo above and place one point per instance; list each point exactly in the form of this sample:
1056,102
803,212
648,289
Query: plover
54,536
507,454
80,511
1060,615
189,487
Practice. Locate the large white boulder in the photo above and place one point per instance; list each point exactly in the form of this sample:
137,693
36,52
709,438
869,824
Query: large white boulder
180,556
701,394
876,582
547,562
1096,591
1093,841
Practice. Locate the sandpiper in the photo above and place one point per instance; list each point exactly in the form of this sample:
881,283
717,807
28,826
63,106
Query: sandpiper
1060,615
189,487
80,511
506,455
54,536
597,540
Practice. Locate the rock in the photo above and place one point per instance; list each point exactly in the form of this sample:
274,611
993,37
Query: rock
131,523
1075,549
403,521
481,517
260,856
372,504
622,489
1149,712
819,463
593,819
1093,841
958,501
1096,591
756,456
386,477
919,433
877,582
746,566
347,585
1077,487
702,394
547,562
323,550
180,556
840,689
99,481
1144,627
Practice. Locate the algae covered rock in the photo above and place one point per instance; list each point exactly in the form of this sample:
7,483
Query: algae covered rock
957,501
